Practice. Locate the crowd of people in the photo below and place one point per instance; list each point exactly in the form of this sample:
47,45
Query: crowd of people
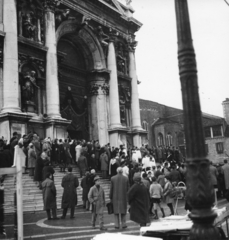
141,177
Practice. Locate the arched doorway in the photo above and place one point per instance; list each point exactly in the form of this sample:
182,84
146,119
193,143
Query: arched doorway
73,88
79,54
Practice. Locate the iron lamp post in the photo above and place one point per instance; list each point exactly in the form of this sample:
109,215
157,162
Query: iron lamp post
200,192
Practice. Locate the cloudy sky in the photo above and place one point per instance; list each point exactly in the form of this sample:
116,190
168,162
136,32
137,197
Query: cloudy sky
156,53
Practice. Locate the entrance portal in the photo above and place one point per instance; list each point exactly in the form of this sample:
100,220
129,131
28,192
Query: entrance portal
73,88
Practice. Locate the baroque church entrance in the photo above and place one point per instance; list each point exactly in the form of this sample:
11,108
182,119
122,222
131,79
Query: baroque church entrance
73,87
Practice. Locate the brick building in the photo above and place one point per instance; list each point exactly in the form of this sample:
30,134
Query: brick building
165,127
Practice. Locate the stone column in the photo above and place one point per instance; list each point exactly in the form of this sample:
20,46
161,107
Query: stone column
135,109
113,86
52,84
99,119
10,59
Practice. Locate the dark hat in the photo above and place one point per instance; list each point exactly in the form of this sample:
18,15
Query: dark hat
96,178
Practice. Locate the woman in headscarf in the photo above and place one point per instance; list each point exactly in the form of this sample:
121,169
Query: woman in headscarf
138,198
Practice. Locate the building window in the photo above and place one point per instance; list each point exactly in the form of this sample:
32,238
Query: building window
160,139
207,132
219,147
217,131
169,139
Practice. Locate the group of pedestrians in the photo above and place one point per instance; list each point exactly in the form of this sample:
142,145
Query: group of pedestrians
140,178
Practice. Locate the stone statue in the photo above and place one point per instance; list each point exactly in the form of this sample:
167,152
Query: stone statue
61,15
29,87
28,26
121,61
103,38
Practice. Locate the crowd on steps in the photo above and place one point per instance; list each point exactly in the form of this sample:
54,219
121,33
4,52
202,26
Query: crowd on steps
142,177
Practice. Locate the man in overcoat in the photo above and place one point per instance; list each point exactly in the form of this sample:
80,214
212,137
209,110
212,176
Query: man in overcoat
138,197
118,196
49,197
69,199
96,197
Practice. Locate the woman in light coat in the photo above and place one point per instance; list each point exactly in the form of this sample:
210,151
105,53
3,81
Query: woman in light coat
31,159
78,151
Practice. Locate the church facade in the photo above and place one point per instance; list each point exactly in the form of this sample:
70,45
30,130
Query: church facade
68,69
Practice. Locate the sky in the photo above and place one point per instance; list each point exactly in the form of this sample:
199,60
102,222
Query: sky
156,53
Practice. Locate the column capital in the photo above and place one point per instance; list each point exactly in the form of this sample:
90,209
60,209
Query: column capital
50,5
98,89
131,44
113,34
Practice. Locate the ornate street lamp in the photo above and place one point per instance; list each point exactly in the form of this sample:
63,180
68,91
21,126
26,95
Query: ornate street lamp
200,192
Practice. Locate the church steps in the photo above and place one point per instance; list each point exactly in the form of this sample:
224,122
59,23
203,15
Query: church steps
32,195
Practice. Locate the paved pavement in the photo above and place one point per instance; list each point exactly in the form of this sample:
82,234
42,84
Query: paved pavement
36,226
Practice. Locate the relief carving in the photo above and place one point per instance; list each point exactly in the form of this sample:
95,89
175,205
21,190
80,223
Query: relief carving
105,88
94,89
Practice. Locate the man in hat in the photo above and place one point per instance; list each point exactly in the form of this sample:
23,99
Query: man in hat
118,196
96,197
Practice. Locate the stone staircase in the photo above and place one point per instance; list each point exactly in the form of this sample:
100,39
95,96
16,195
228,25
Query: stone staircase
32,195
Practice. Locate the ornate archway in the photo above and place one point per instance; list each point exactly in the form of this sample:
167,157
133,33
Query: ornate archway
79,54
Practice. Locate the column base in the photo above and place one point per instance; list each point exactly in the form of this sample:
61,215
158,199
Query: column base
11,110
117,136
114,126
139,136
13,122
56,128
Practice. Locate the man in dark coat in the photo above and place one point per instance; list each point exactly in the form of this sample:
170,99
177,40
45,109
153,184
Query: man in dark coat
138,198
86,189
118,196
69,199
49,196
5,156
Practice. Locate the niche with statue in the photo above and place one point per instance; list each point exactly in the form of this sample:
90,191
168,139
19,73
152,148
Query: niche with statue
29,90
